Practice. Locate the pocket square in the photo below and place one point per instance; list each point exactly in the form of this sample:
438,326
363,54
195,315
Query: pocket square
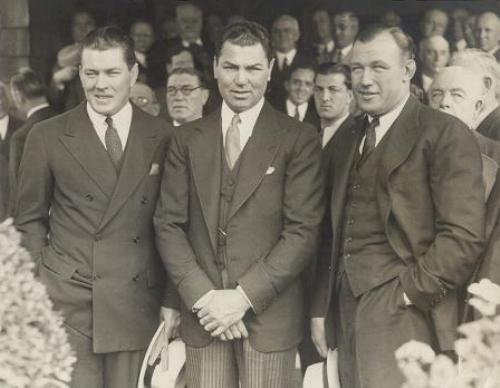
270,170
155,169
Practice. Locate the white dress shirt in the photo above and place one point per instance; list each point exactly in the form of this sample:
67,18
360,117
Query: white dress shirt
326,47
4,124
248,119
36,109
426,82
121,122
141,58
291,108
385,122
280,57
197,42
330,130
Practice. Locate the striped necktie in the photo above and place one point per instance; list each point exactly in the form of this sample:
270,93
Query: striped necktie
113,143
233,146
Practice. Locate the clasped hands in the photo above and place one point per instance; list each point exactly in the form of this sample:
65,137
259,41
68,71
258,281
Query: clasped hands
221,312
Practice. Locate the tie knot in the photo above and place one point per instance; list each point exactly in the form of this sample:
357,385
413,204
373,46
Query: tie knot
236,120
109,121
372,124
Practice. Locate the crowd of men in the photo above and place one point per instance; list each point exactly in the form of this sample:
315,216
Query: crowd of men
259,198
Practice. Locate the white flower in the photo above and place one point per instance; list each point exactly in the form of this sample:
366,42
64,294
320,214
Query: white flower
486,296
415,351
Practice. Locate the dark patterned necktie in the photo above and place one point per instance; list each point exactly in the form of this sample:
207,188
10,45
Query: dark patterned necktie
297,113
370,136
233,146
113,143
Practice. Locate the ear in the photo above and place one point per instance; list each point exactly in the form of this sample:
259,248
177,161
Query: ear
168,68
215,67
271,65
17,97
204,96
134,73
409,68
488,83
350,96
478,106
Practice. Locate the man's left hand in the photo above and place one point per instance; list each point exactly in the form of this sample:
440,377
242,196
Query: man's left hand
171,318
224,309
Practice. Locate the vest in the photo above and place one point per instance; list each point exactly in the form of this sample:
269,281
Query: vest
229,178
365,253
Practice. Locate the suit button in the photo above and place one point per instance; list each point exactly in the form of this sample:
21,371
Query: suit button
349,239
350,221
136,239
144,200
89,197
98,237
347,255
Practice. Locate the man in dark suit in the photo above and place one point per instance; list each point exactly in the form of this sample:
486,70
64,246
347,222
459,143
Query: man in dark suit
237,223
88,185
29,97
407,210
324,47
8,126
299,88
487,31
345,29
285,35
485,64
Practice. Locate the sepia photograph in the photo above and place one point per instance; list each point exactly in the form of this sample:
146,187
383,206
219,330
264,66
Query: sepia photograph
249,194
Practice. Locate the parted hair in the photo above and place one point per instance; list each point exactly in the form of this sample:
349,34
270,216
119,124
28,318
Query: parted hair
336,68
402,39
108,37
245,33
28,83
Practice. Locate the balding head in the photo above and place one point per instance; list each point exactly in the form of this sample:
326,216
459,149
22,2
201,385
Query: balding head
434,22
457,90
434,53
285,33
487,31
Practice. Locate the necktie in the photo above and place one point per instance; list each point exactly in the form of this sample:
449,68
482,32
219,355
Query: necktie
113,143
284,65
370,137
297,114
233,147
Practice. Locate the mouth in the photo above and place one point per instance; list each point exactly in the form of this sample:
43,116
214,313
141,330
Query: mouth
103,97
366,94
240,93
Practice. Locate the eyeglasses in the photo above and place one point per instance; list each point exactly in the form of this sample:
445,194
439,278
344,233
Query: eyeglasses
185,90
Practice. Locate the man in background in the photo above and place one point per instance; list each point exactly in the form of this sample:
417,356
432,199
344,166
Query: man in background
186,95
434,54
345,29
142,33
487,31
29,96
299,87
322,28
434,22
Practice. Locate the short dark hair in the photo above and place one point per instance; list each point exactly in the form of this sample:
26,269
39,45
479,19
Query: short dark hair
245,33
28,83
336,68
402,39
189,71
109,37
302,65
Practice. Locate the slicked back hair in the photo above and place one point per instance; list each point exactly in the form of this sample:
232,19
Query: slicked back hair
189,71
108,37
403,40
28,83
245,33
335,68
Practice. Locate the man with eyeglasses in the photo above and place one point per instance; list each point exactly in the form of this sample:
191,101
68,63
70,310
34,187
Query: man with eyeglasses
186,95
299,87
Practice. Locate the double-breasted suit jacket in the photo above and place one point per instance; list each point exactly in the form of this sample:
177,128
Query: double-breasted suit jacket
272,229
430,196
91,229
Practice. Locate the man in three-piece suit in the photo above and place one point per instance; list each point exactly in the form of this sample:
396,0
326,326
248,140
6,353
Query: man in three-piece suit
237,223
29,96
407,218
88,185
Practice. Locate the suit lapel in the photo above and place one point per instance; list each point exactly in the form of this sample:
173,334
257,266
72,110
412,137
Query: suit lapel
257,156
139,152
205,156
82,142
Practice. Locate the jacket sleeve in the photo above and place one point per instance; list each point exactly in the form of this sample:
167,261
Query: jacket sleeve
171,220
34,193
303,208
459,219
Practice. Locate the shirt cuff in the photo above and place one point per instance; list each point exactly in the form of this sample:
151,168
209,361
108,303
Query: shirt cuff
202,301
407,300
242,292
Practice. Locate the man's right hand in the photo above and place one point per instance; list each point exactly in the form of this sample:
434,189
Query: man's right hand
318,335
171,318
236,331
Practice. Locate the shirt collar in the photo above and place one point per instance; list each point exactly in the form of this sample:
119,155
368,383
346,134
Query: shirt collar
346,50
289,57
186,44
4,125
141,58
36,109
290,107
121,122
326,47
176,123
331,129
484,113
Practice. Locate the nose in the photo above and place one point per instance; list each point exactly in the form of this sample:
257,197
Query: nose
445,102
324,95
367,77
241,77
101,81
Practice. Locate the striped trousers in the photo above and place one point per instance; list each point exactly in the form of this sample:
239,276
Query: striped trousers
236,364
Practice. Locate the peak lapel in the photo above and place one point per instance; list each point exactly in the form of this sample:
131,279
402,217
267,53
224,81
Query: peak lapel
205,156
82,142
257,156
139,152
